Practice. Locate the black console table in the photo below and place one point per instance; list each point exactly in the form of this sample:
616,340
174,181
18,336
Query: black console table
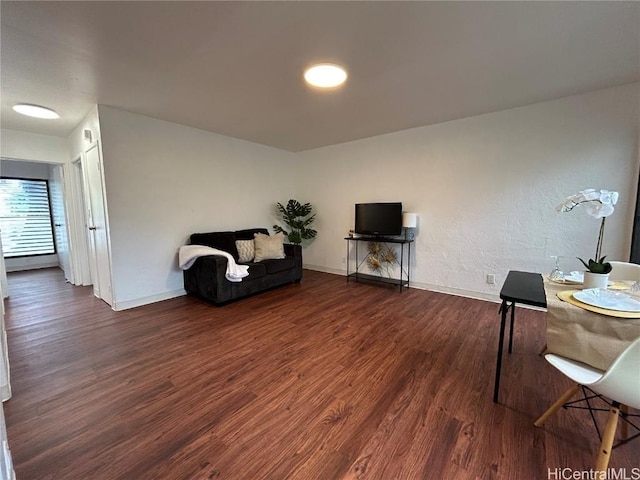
403,261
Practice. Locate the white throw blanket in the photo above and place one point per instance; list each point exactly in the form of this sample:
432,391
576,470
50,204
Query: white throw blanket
188,254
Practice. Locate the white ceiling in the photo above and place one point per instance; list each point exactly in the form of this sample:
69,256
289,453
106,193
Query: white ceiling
235,68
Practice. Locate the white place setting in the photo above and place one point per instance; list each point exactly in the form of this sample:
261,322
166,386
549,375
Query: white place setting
608,299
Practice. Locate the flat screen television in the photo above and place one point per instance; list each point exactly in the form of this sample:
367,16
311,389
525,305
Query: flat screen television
379,218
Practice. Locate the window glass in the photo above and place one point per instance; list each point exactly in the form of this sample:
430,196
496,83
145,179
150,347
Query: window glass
25,218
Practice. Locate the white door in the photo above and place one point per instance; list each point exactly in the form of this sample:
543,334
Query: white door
56,190
97,219
80,253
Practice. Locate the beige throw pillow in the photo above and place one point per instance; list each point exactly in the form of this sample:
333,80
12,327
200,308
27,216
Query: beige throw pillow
246,250
268,247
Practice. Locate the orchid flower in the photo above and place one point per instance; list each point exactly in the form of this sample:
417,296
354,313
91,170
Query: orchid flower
598,204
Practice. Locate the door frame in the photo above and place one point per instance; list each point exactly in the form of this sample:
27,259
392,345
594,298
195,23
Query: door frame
102,281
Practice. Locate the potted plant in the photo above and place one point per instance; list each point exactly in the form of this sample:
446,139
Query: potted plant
299,219
598,204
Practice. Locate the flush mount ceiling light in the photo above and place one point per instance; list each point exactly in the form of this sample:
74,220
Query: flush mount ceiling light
35,111
325,75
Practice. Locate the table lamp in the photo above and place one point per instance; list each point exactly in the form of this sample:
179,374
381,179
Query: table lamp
409,222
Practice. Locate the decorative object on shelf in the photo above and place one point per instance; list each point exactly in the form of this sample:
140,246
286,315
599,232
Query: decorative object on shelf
373,263
299,219
380,256
386,256
409,222
374,248
598,204
390,256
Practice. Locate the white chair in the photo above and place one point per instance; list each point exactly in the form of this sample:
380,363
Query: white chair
620,383
625,271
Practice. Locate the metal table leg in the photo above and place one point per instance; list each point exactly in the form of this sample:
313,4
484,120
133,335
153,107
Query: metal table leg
513,315
503,322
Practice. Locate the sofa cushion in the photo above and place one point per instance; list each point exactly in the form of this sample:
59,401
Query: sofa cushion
269,247
225,241
246,250
278,265
248,234
256,270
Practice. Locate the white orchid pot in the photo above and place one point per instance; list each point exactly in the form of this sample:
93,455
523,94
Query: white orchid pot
595,280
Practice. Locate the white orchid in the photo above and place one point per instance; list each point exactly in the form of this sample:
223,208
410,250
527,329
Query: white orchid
598,204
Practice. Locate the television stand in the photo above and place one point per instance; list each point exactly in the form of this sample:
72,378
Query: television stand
403,261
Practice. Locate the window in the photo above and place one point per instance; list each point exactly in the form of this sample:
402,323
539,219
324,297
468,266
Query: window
25,218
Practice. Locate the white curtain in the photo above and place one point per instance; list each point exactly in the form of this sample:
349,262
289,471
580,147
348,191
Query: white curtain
6,465
3,275
5,387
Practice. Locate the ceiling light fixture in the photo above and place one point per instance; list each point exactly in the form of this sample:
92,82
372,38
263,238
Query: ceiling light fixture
325,75
36,111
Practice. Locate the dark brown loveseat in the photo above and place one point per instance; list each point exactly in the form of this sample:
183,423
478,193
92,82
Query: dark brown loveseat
206,277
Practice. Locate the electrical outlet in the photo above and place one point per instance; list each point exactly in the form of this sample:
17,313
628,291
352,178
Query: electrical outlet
491,278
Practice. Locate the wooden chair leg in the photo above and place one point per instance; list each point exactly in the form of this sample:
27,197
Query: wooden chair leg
564,398
624,428
607,440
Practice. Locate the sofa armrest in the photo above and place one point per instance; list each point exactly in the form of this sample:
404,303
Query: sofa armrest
295,251
206,278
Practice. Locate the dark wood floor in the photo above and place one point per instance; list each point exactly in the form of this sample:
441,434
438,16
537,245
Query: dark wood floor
320,380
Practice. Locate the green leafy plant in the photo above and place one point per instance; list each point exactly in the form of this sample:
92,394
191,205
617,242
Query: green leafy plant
298,218
597,267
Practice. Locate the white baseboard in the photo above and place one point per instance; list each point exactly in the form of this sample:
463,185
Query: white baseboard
318,268
487,297
138,302
459,292
31,266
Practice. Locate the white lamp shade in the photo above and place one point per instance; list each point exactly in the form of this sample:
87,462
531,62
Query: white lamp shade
409,220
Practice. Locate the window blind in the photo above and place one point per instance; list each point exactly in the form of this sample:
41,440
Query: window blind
25,218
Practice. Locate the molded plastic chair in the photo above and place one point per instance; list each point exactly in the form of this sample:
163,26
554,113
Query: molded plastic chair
620,383
625,271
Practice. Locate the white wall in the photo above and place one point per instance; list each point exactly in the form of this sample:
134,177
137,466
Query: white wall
485,188
33,147
165,181
23,169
